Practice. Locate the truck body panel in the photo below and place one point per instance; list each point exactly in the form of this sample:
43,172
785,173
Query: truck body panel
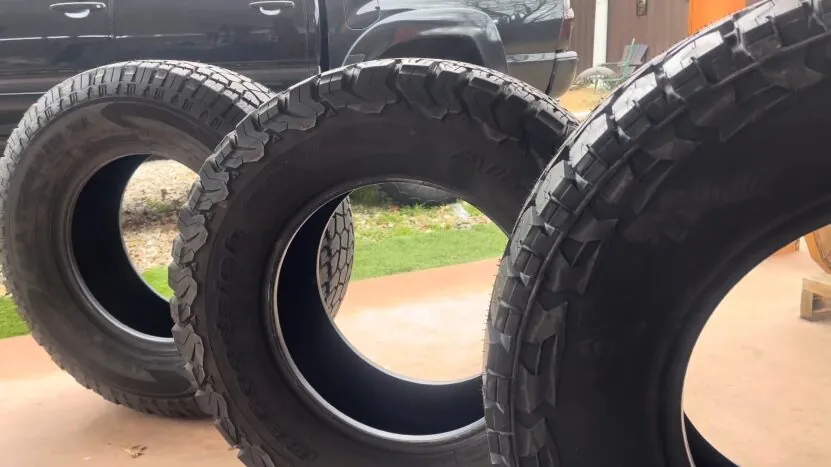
275,42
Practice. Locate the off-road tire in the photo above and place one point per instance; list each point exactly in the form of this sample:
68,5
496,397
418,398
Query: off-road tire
414,194
411,194
55,142
706,161
489,138
336,256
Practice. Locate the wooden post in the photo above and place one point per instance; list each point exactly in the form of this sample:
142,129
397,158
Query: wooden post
819,247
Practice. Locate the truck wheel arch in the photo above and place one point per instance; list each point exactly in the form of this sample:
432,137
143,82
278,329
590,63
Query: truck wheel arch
472,32
462,49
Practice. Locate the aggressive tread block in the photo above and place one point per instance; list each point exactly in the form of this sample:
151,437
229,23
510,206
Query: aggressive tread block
432,87
707,87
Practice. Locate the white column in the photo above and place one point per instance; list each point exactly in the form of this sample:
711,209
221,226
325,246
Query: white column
601,31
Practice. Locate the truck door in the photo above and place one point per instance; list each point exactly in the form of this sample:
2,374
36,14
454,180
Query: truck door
266,40
43,42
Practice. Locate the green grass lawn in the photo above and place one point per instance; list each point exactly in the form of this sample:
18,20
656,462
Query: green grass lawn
391,240
388,240
417,251
10,322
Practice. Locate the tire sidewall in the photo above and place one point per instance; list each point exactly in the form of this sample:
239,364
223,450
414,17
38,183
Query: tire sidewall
644,299
41,192
302,170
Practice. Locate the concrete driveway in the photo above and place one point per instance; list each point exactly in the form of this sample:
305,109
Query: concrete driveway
757,387
47,419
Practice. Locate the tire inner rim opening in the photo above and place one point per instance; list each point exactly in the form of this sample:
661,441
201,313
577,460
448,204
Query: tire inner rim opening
122,301
335,377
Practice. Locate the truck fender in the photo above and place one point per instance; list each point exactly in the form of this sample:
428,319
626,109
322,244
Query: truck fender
399,28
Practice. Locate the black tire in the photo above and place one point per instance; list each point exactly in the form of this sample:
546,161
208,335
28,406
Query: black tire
413,194
704,163
61,182
335,258
490,136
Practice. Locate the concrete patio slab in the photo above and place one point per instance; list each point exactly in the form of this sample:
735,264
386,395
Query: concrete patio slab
758,383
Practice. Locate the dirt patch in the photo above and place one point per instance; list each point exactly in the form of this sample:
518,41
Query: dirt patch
579,100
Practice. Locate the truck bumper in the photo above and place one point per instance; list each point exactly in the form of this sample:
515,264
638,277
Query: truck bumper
551,73
562,77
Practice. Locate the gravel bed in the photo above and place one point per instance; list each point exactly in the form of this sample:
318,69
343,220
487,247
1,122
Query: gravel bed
151,203
149,209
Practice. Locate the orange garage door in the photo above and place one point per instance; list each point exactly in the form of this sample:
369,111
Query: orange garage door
704,12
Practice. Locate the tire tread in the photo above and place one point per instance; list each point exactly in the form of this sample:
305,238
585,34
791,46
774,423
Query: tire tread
706,88
215,96
426,85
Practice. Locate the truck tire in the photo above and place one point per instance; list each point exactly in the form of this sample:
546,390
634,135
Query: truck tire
703,164
61,181
298,393
413,194
336,255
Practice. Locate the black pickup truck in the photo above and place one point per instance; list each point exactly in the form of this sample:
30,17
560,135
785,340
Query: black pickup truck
280,42
276,42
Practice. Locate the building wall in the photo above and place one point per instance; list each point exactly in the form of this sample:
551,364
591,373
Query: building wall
582,37
665,23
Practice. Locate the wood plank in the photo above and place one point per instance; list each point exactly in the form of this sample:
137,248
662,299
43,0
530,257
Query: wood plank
816,298
819,247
